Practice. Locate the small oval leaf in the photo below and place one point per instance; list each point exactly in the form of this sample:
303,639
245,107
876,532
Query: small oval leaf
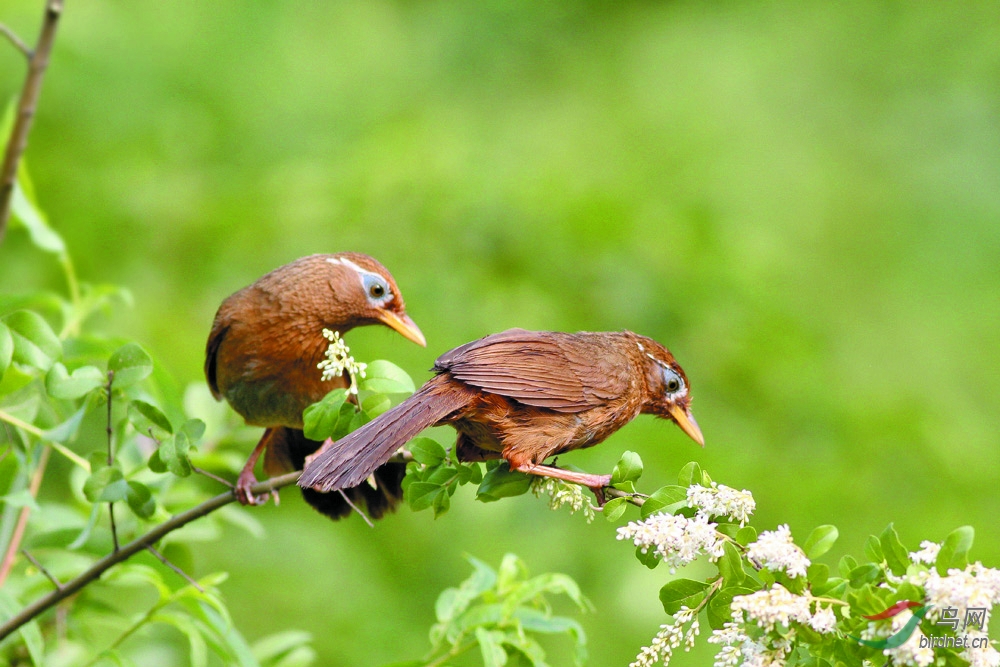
820,540
386,377
130,364
35,344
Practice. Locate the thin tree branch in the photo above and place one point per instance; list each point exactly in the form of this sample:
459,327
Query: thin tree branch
163,559
211,475
16,41
133,547
355,508
22,519
41,568
26,107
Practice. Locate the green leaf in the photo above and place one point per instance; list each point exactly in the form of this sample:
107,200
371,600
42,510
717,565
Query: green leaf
747,535
65,431
690,474
502,482
647,558
873,550
628,468
864,574
106,485
678,592
955,549
614,508
320,419
896,556
386,377
818,573
6,348
274,646
421,495
820,540
426,451
35,344
665,499
130,364
719,607
31,633
846,564
63,385
442,501
490,644
731,565
140,500
24,210
173,453
22,498
375,404
147,418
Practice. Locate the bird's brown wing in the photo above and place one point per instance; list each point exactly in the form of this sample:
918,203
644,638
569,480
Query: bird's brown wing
215,338
562,372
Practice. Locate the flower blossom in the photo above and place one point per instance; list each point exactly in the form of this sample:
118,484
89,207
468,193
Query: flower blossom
721,500
676,539
670,637
563,493
928,553
338,359
775,550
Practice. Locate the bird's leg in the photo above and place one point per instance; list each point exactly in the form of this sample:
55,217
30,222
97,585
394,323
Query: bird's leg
246,478
595,483
322,448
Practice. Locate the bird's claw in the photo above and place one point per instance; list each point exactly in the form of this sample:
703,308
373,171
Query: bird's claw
244,493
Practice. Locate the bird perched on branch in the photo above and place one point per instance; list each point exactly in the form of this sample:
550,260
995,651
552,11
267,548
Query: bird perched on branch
524,396
264,350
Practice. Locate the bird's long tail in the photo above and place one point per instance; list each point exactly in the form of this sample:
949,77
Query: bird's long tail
357,455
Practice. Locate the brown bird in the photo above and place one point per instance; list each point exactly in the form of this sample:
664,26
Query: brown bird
264,348
524,396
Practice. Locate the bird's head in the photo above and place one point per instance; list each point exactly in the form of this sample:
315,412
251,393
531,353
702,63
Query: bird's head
668,393
364,292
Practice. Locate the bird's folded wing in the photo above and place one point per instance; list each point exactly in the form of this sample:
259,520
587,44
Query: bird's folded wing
562,372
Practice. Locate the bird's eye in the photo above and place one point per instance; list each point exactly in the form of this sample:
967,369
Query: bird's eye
672,381
375,288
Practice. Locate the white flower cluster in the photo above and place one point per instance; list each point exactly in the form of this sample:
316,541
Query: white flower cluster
928,553
767,609
778,606
676,539
721,500
739,649
563,493
669,637
338,359
775,550
976,586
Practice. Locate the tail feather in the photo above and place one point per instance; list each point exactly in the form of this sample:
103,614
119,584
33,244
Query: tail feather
287,450
357,455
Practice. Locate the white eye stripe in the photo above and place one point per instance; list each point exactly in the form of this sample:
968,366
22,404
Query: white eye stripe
364,276
346,262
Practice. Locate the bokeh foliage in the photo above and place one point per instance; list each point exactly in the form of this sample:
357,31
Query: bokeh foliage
800,199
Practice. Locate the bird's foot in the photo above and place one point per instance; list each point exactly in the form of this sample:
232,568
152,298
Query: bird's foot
243,490
315,455
595,483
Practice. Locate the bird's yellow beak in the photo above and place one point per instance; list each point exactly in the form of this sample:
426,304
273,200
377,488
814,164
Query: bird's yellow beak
686,421
404,325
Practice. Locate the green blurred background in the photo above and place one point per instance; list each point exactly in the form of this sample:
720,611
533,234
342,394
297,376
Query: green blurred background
802,200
